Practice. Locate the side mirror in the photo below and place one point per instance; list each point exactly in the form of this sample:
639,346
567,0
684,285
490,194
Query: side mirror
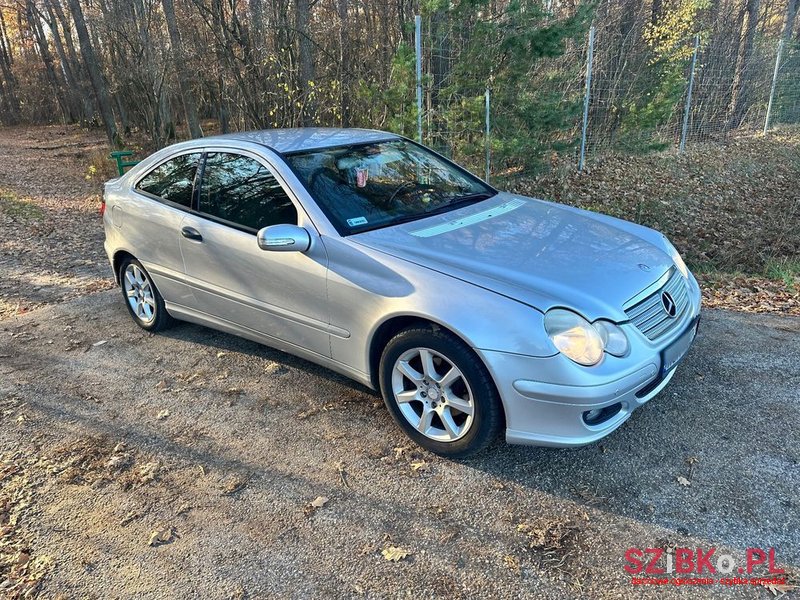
284,238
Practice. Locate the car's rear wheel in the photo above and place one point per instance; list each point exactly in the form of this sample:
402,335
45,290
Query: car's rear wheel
142,298
439,392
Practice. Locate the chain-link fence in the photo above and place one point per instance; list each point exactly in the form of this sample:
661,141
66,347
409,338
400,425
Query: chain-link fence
668,95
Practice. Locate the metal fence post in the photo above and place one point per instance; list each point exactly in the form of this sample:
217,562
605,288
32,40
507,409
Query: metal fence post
774,82
418,52
589,60
487,139
688,109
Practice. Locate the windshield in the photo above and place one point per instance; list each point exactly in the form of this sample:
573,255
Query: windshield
367,186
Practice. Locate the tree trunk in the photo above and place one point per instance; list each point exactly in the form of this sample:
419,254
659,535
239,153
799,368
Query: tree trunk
78,70
73,87
791,14
189,105
655,14
344,67
306,61
257,26
9,80
93,68
744,68
53,76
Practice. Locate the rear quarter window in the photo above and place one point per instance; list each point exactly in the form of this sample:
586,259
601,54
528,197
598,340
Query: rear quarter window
173,180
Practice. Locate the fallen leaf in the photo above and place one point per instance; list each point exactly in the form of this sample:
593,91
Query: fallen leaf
163,535
221,354
319,501
779,589
512,562
419,465
233,485
273,368
316,503
162,415
400,451
148,472
394,553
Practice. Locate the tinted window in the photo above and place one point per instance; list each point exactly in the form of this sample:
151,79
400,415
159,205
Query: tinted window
366,186
243,191
172,180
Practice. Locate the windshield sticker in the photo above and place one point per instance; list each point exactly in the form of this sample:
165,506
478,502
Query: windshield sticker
357,221
478,217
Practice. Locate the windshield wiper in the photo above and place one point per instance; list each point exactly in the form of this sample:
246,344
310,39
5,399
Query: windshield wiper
471,198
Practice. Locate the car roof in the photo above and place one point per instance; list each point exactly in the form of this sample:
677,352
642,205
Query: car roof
306,138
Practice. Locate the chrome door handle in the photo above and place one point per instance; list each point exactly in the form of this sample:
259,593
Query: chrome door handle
192,234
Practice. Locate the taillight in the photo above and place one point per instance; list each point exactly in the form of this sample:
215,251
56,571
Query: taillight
102,207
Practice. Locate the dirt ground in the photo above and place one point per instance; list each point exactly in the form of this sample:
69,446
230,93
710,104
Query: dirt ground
196,464
51,244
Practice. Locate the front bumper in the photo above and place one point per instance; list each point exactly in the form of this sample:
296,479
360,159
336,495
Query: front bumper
551,401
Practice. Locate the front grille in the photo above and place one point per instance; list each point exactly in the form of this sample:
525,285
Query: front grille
649,315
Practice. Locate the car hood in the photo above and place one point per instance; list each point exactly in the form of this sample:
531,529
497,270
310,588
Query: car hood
540,253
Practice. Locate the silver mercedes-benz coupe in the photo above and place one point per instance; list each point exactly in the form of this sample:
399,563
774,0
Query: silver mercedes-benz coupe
472,310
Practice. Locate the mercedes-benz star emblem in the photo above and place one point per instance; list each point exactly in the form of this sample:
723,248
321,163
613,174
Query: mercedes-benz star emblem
669,304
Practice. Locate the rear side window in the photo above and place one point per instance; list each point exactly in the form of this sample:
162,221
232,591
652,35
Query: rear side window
241,190
172,180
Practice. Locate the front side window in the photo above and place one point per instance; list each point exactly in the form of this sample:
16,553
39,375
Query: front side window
172,180
367,186
242,191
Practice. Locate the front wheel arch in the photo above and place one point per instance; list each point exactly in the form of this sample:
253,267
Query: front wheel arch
391,327
394,325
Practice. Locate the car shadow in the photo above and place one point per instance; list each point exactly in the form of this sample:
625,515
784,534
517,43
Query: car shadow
700,429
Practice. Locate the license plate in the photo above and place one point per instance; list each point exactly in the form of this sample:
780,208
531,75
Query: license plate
673,354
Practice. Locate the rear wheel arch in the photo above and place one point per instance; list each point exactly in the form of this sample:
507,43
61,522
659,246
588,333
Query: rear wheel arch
120,256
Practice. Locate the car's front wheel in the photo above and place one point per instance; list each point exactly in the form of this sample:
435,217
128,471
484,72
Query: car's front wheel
439,392
142,298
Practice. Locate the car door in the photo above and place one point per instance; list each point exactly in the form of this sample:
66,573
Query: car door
281,295
150,221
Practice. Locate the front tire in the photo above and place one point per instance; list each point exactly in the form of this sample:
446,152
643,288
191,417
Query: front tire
142,298
439,392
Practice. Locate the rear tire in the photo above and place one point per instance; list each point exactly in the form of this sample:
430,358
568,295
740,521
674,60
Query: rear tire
142,298
439,392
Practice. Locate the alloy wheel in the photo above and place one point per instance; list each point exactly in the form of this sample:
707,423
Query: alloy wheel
432,394
139,291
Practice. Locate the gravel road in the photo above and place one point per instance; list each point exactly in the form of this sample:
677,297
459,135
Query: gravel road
218,447
193,464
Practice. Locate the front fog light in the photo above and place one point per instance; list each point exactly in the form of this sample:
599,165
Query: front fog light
574,336
614,339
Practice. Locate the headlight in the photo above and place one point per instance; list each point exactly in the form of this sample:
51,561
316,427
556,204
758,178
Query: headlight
574,336
676,258
614,340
